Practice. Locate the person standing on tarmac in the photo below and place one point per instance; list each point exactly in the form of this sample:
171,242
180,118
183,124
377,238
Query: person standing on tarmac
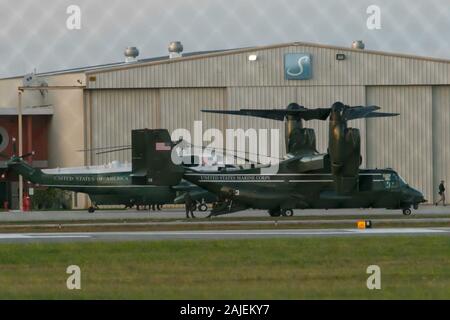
441,193
189,203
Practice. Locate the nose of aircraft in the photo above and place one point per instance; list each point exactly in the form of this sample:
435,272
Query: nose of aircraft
414,196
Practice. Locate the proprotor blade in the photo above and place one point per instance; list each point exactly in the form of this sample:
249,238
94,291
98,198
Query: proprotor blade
359,112
381,114
274,114
294,110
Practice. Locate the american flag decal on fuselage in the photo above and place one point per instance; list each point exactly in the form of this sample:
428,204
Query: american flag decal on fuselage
162,146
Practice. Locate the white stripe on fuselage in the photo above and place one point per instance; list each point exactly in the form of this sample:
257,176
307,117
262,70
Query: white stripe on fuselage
263,181
87,170
259,174
311,180
243,181
97,186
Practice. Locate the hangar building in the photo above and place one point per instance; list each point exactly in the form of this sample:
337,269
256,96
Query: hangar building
98,106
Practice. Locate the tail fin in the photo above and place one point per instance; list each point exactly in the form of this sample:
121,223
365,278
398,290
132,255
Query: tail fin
151,158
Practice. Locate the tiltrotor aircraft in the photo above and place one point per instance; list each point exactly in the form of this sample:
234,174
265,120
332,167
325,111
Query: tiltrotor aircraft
305,179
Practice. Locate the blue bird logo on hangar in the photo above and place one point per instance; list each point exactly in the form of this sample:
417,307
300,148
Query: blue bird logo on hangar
297,66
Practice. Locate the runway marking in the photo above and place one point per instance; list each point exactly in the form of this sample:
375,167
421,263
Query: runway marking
293,232
59,236
13,236
41,236
401,230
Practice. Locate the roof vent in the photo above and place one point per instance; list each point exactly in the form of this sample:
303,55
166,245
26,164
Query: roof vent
175,49
131,54
358,44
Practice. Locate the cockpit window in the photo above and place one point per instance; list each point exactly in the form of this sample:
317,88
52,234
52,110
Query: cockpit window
402,181
392,180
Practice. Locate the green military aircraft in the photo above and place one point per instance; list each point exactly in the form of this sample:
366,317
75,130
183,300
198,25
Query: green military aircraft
113,184
305,179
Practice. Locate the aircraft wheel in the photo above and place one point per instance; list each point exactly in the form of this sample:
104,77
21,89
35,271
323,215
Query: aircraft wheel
159,207
407,211
287,212
202,214
91,209
202,207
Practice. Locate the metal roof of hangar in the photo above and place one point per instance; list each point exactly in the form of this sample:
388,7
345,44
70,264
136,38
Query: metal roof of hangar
228,68
98,70
107,66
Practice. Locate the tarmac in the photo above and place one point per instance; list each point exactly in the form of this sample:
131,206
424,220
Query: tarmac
14,216
212,235
426,214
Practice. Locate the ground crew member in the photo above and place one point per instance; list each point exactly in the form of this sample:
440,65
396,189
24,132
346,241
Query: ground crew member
189,203
441,193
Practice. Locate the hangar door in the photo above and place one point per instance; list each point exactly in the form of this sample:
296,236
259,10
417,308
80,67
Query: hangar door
441,137
114,113
180,107
403,143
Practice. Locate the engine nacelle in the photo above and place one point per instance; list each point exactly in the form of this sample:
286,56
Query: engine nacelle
301,140
345,157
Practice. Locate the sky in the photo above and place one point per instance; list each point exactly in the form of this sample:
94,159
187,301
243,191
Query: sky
34,34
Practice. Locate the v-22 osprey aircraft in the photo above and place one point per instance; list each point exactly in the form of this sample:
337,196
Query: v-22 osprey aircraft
306,178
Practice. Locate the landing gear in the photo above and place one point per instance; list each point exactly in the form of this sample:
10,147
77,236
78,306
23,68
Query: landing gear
287,212
154,207
281,212
274,212
407,211
202,207
91,209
